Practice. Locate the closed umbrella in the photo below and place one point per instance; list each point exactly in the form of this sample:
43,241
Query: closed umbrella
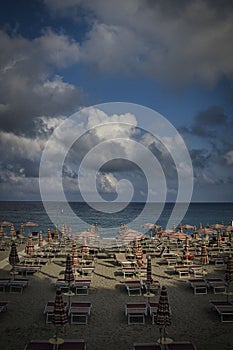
229,275
41,239
69,276
163,316
30,248
2,233
74,254
13,257
56,235
12,230
59,317
48,237
204,256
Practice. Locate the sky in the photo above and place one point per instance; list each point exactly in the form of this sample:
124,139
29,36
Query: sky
59,57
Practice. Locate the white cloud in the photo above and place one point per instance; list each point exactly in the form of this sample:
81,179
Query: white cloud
229,157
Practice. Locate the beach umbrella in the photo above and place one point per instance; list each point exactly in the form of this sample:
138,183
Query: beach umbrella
204,256
163,316
229,270
12,230
218,226
40,239
5,223
85,249
188,227
21,230
63,232
74,254
219,239
229,275
30,248
69,276
2,233
56,235
59,314
48,237
186,253
13,256
149,278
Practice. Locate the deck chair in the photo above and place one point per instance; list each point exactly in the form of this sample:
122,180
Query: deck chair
39,345
180,346
73,344
146,346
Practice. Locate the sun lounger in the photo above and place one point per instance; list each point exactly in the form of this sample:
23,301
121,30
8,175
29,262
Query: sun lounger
135,313
146,346
199,286
62,284
225,312
183,271
133,287
73,344
180,346
4,283
79,312
25,269
18,285
217,284
39,345
128,271
153,310
82,286
3,306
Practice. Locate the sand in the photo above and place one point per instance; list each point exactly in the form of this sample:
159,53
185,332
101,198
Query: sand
192,317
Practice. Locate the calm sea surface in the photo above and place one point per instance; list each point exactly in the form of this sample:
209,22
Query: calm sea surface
18,212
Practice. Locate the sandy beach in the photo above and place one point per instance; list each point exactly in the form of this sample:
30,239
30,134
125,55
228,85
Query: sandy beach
193,319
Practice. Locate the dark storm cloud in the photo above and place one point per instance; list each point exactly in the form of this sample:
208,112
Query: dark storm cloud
28,86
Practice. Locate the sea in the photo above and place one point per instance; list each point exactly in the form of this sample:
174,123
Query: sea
109,221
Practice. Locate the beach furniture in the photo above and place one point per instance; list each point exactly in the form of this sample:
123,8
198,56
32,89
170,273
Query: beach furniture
3,306
224,308
82,286
62,284
136,312
79,312
218,285
133,287
153,307
128,271
25,269
146,346
73,344
183,271
180,346
18,285
4,283
69,344
199,285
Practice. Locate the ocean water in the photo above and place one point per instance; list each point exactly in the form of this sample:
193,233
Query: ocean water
108,223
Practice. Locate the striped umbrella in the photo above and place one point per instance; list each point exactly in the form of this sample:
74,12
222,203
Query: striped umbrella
219,239
149,278
40,239
69,276
13,256
12,230
163,316
85,249
229,270
74,255
204,256
56,235
29,248
63,232
48,237
59,313
2,233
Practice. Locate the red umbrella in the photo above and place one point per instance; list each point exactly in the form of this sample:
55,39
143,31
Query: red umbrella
204,255
56,235
163,316
149,278
48,237
40,239
74,255
29,248
59,314
12,230
13,256
69,276
85,249
2,233
229,274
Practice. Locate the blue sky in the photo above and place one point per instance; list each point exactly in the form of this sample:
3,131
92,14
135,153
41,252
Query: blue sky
173,57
